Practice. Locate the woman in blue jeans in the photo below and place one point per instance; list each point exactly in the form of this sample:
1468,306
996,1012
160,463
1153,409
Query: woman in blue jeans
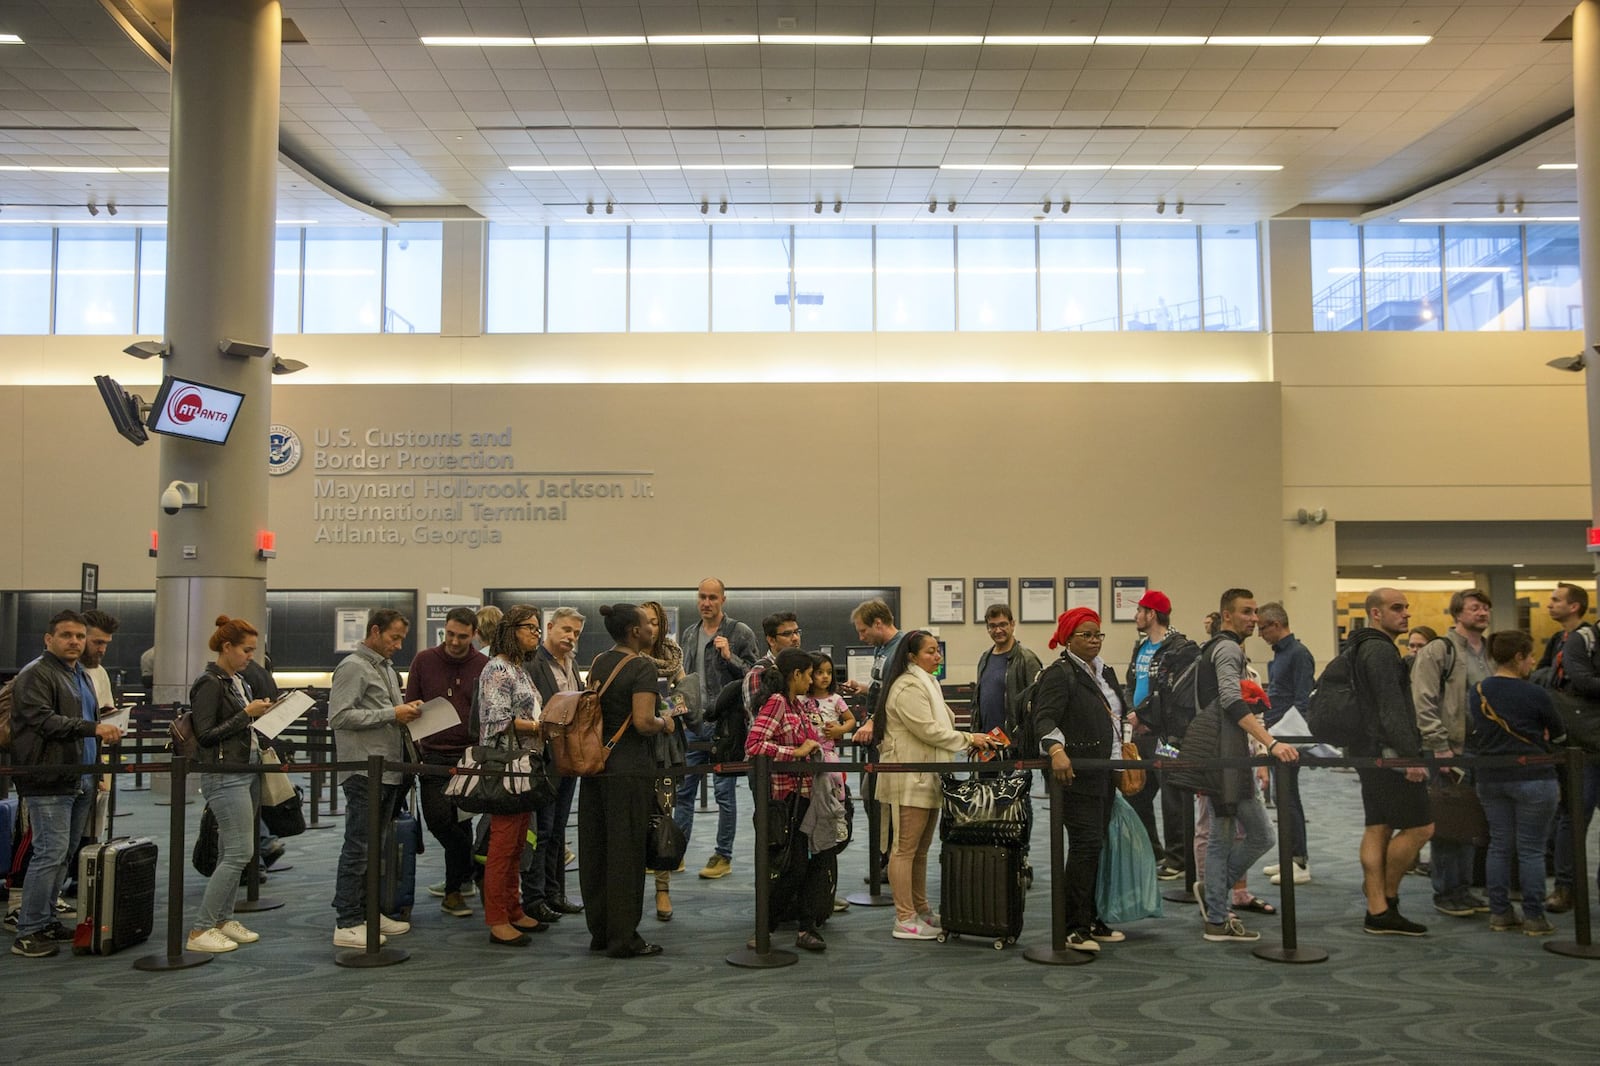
1508,715
223,717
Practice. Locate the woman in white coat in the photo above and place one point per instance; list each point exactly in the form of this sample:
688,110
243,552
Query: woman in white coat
916,726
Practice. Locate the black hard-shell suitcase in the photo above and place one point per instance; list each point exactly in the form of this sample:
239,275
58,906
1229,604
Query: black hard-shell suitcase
981,892
116,895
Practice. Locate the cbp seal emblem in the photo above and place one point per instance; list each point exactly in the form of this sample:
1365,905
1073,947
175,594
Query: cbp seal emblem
283,450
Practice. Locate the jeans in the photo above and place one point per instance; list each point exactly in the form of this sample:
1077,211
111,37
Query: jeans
1519,813
1566,872
546,878
350,885
228,796
58,824
1230,855
724,787
453,832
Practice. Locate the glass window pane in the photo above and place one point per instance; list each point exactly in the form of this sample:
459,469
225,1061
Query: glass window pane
25,280
1555,298
514,281
997,278
589,279
1335,276
344,281
750,279
1160,278
1403,277
152,282
833,278
1078,277
916,278
286,281
94,280
1483,277
669,279
1230,267
413,276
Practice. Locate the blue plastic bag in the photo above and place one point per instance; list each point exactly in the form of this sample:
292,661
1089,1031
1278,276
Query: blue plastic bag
1127,889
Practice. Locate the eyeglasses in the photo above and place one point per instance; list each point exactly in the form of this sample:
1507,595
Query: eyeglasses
529,625
789,632
1090,636
997,625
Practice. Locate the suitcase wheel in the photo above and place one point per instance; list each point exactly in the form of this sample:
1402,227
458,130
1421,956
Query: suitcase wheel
942,937
1000,944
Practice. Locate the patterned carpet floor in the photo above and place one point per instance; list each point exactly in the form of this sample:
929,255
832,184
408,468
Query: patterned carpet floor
1459,995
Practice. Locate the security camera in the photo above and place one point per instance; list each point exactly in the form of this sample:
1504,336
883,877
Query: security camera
181,494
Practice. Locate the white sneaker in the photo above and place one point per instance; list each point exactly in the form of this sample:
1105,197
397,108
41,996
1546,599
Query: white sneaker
212,942
1302,875
915,929
353,936
1270,871
930,919
238,933
390,927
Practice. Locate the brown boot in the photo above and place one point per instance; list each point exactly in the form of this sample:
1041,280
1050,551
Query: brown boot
1559,901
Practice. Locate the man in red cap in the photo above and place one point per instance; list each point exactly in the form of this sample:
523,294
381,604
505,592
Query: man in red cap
1161,652
1078,711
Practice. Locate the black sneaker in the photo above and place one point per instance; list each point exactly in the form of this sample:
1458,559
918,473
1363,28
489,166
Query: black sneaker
1453,906
56,933
1392,923
10,922
33,946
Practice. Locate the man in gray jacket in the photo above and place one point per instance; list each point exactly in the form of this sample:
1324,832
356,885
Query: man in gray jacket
369,716
1444,671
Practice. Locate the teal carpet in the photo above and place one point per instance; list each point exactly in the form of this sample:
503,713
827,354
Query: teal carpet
1459,995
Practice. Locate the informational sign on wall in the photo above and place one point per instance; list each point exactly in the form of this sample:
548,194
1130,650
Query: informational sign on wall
383,486
1126,592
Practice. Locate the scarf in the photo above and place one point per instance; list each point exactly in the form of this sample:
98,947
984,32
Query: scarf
931,686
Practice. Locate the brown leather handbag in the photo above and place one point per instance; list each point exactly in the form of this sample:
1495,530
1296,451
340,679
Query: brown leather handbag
1130,782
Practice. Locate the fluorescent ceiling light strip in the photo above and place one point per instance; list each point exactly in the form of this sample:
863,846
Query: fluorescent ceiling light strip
10,38
811,166
1558,166
1374,40
982,166
588,42
721,166
926,41
1240,166
552,169
1263,41
1039,41
143,170
478,42
703,38
1514,219
633,167
813,38
1069,166
1152,166
1152,39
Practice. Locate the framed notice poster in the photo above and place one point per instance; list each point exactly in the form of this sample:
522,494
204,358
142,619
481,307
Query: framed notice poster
1083,592
988,591
1038,599
947,600
1126,592
349,628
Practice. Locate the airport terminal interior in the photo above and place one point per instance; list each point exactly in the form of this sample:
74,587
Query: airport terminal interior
310,307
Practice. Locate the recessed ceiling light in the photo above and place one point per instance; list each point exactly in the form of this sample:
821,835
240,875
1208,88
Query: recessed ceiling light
1518,566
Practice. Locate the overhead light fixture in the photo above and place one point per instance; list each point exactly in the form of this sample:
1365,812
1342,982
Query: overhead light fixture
588,208
951,207
611,208
590,42
1558,166
1575,363
1517,207
1486,218
1066,205
1500,205
816,208
1263,41
814,39
243,349
1148,39
111,207
10,38
704,206
722,207
1179,205
1047,205
1037,40
1374,40
1161,205
93,210
478,42
933,206
927,41
148,349
838,205
702,38
280,365
561,168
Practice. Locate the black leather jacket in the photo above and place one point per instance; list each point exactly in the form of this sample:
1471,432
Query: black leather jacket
47,726
220,724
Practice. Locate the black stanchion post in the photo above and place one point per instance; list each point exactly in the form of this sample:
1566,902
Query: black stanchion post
874,895
325,742
705,794
1581,947
1186,893
376,953
1057,954
114,761
138,755
1290,951
176,957
253,902
316,799
763,956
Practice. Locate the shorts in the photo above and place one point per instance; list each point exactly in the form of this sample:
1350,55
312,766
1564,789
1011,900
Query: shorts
1389,799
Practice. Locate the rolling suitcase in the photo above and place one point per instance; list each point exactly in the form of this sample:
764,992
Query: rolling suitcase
8,828
399,885
981,892
116,895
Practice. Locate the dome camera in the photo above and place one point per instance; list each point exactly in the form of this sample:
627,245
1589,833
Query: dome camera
172,499
180,494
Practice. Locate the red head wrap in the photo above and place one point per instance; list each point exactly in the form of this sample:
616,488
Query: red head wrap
1069,622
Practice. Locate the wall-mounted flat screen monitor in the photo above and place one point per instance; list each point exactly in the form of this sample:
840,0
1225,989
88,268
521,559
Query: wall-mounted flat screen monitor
194,411
123,408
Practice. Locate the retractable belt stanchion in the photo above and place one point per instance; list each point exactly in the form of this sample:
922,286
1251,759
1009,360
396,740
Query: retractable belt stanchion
114,764
376,953
253,901
763,956
1581,947
874,895
1057,954
1290,950
176,957
138,755
1185,894
318,754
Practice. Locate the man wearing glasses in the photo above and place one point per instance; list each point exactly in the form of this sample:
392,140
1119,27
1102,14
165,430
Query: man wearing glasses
1003,672
782,630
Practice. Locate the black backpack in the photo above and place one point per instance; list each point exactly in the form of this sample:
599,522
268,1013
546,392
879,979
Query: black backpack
730,724
1335,713
1174,690
1023,729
